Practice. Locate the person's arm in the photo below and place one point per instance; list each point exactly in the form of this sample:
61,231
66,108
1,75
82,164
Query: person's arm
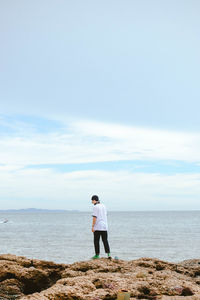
93,222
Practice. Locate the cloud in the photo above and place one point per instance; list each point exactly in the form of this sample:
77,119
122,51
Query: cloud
24,183
145,143
120,190
89,141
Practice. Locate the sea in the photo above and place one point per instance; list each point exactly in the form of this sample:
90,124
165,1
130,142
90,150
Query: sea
66,237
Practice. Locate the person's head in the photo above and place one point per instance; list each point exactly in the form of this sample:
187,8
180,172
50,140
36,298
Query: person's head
95,199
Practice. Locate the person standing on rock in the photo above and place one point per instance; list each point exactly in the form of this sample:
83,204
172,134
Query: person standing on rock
99,227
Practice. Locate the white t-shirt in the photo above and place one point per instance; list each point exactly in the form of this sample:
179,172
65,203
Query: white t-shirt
99,211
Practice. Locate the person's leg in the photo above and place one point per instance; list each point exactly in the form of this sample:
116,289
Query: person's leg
96,242
104,236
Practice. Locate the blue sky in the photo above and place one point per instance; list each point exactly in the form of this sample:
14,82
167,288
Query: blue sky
100,97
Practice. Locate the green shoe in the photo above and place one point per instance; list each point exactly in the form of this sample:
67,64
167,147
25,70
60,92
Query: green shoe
109,256
95,257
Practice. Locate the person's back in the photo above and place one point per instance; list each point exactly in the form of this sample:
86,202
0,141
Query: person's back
100,213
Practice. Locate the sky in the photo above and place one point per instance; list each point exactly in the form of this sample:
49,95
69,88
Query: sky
100,97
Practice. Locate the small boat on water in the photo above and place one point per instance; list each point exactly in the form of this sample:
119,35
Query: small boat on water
4,221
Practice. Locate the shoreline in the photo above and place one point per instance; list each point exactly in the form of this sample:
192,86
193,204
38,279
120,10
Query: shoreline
101,279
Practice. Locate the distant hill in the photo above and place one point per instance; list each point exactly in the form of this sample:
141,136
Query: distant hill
37,210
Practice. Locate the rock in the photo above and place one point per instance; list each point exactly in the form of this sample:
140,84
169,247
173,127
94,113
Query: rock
20,276
102,279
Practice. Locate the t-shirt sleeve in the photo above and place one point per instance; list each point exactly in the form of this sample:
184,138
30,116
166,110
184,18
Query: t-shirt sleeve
94,213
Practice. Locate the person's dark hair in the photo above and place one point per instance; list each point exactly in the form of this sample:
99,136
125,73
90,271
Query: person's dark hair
95,198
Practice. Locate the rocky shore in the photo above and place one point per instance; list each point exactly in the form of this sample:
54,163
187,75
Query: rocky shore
145,278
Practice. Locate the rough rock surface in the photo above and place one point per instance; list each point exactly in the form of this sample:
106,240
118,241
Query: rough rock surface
145,278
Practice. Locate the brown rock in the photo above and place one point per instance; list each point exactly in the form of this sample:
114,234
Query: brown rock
145,278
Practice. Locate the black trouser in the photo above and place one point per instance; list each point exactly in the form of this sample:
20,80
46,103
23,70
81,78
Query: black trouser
104,236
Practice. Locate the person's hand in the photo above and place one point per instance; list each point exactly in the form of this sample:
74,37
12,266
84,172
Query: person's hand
92,229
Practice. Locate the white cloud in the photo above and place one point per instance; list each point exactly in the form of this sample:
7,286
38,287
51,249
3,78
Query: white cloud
95,142
145,143
120,190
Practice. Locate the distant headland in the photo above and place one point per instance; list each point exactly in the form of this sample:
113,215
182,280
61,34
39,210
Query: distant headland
37,210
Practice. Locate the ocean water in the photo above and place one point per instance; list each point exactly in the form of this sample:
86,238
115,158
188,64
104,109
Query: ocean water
66,237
